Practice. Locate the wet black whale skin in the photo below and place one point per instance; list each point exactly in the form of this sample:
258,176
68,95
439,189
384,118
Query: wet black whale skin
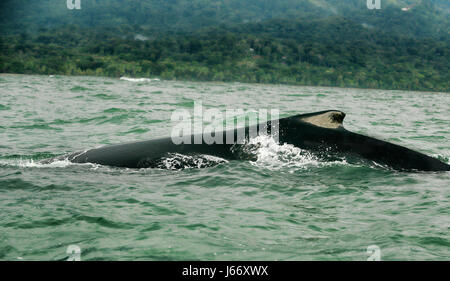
292,130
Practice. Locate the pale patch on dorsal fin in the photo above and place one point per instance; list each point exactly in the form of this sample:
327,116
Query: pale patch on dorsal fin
329,119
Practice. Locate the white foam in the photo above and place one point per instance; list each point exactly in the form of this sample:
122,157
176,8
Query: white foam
178,161
30,163
136,80
271,155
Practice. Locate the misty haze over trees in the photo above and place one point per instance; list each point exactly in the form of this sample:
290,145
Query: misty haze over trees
305,42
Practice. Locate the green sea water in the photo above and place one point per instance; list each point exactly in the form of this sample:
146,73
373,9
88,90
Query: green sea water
282,206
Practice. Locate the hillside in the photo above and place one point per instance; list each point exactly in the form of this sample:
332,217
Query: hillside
331,52
405,45
151,17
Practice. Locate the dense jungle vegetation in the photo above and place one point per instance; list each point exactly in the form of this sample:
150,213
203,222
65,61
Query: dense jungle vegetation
295,42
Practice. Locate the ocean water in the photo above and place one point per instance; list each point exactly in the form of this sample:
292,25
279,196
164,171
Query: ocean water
285,205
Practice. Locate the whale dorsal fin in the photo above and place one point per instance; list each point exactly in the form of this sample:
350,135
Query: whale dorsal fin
331,119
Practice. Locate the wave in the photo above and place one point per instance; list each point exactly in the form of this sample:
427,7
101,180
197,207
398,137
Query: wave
136,80
261,151
39,162
177,161
264,151
31,163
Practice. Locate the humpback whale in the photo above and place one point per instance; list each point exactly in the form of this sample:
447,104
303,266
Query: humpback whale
319,132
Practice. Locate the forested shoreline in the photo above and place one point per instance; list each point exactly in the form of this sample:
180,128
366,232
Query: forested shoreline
332,52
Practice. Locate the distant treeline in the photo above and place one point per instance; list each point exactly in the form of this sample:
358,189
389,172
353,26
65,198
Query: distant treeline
333,52
429,18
